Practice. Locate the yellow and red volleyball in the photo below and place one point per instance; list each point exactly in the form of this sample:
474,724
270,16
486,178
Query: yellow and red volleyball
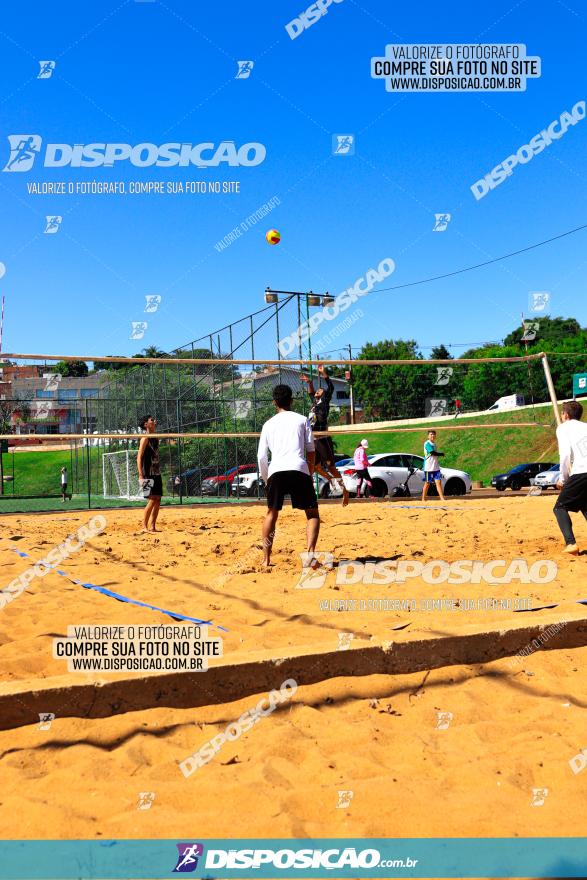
273,236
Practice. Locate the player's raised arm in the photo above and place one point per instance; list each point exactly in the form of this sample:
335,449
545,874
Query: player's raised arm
329,390
310,385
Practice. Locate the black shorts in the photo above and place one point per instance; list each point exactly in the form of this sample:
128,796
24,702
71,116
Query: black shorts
573,495
324,450
363,474
294,483
157,488
63,488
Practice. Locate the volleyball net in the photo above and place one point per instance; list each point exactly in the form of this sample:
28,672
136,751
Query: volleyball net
84,413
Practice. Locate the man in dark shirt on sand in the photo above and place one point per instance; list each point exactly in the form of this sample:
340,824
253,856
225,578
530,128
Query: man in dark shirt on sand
150,474
324,463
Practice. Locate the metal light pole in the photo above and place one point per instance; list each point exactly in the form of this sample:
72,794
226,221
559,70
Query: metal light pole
272,297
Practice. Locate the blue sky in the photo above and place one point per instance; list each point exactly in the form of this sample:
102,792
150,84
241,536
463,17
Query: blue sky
155,72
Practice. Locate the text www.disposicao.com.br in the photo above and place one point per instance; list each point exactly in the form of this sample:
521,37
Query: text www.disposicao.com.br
134,664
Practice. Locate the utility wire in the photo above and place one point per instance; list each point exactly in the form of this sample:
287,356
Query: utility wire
530,247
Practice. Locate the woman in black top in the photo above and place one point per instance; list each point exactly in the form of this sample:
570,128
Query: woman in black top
150,474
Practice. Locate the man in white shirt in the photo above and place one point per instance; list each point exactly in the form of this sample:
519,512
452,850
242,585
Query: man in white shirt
572,446
288,436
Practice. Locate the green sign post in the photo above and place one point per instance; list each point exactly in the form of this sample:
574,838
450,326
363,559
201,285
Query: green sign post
579,384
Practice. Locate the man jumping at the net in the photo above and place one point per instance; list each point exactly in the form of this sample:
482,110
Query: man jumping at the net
318,417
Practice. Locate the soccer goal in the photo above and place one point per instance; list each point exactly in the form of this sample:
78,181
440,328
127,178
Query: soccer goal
120,475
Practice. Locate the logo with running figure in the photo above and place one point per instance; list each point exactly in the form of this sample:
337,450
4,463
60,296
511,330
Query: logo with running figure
530,329
345,640
434,406
24,149
46,71
315,567
45,720
441,222
146,799
153,301
343,145
138,329
538,300
53,223
539,795
443,375
187,860
244,69
443,720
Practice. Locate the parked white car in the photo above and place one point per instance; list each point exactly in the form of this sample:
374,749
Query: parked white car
547,479
246,485
388,470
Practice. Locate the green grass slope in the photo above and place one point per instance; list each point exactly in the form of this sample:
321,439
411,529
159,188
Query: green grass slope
481,452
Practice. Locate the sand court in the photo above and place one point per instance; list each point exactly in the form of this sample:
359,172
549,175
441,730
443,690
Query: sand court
411,748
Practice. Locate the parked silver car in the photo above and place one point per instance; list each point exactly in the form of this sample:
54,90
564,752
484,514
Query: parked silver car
547,479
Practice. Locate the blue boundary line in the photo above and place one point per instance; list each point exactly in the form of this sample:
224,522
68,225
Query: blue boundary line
120,598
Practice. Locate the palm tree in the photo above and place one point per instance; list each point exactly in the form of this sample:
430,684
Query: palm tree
151,351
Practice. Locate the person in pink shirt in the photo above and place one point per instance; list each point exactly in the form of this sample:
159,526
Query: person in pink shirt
361,468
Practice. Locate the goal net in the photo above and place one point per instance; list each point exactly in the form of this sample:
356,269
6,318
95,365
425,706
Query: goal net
120,475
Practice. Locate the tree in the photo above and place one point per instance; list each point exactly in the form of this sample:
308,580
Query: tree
71,368
551,331
7,411
109,365
393,392
220,372
440,353
151,351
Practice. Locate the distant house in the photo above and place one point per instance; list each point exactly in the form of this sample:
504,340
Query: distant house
50,404
9,372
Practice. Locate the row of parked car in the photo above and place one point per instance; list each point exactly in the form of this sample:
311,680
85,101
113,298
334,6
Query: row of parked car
538,473
208,480
388,471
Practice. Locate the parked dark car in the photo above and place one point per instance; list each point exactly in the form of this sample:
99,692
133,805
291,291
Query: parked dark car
190,481
519,476
222,484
